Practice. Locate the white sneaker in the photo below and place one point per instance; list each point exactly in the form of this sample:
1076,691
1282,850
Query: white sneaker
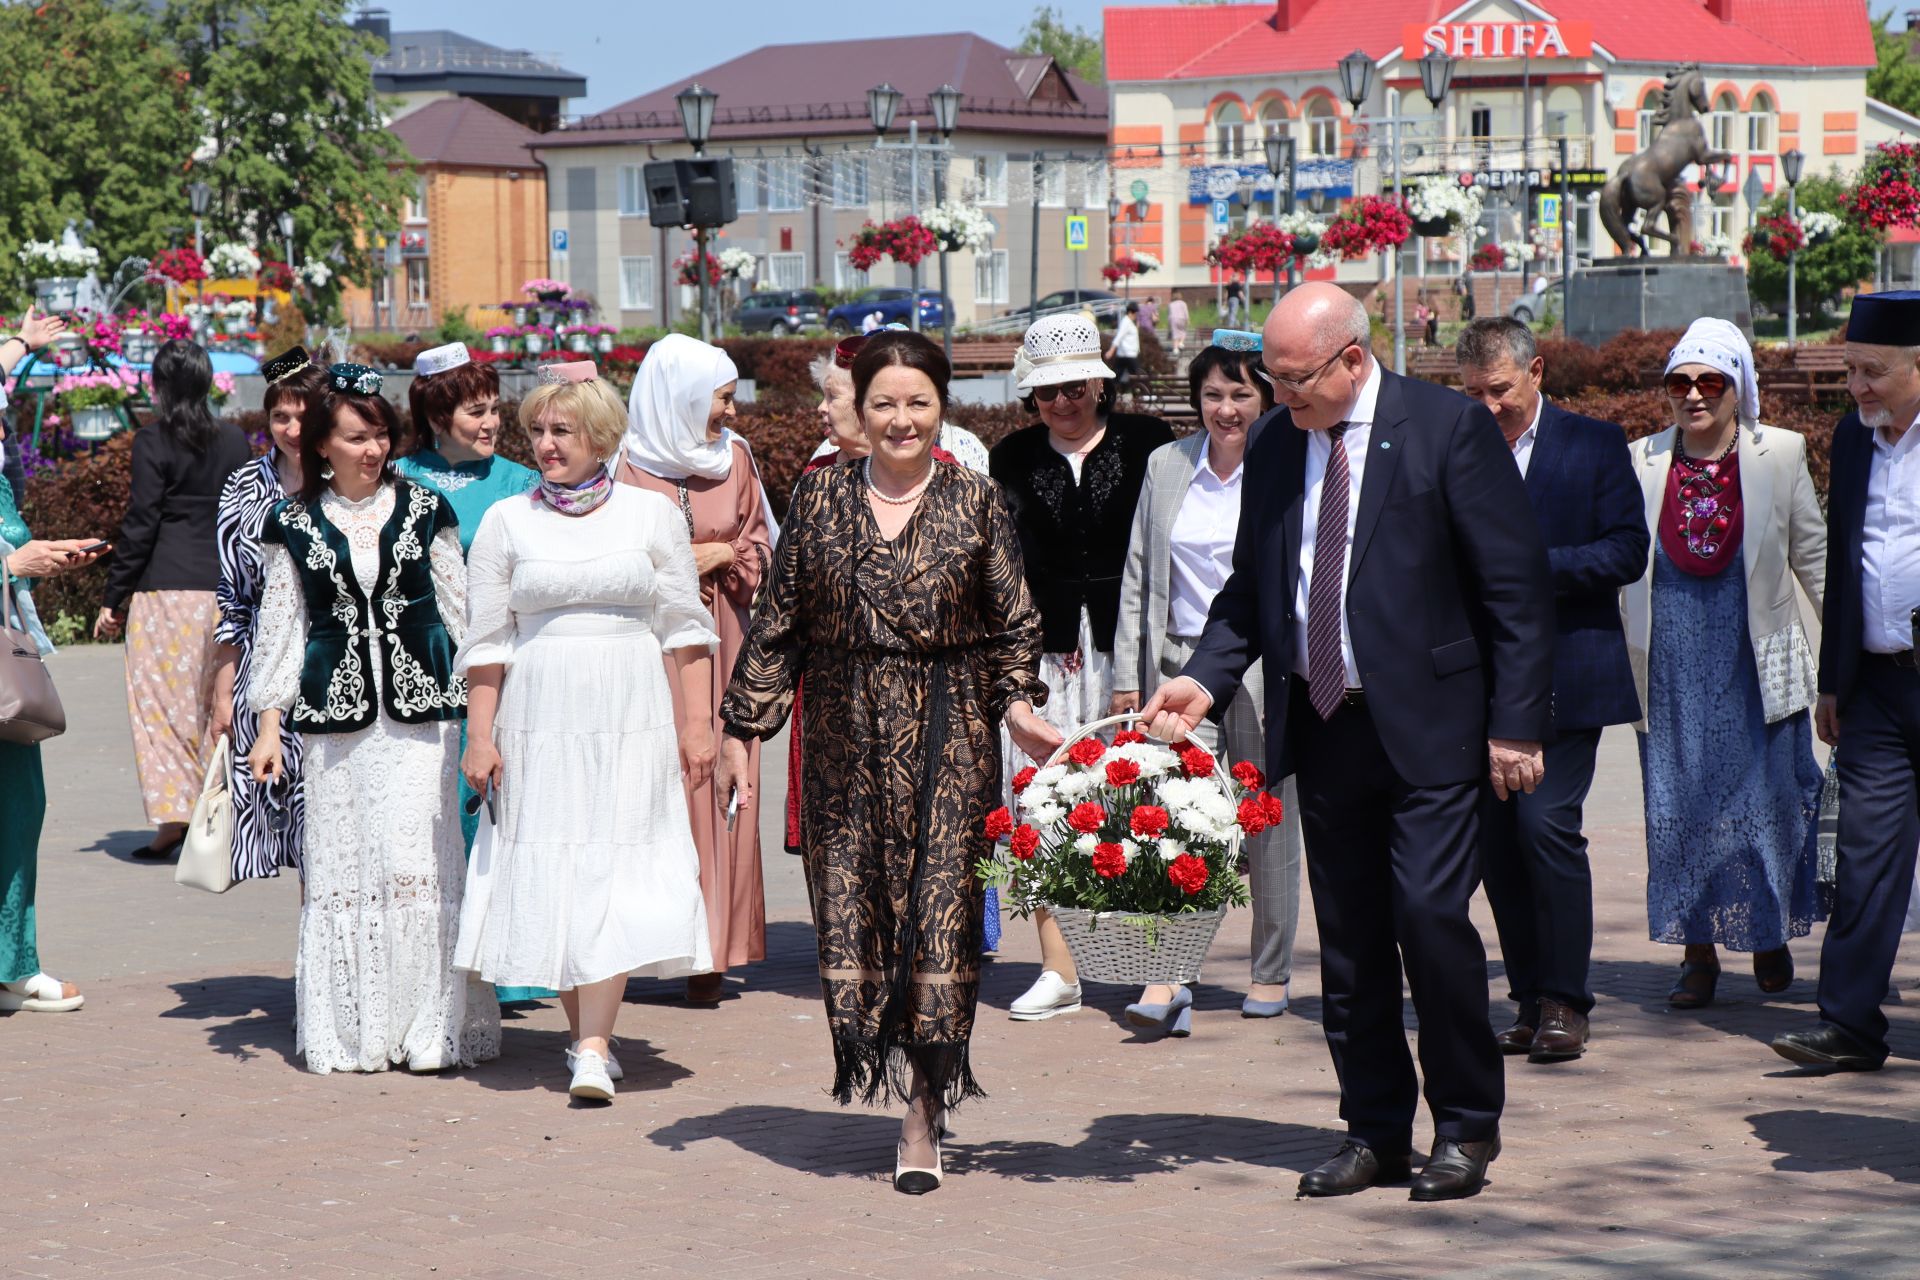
613,1062
1049,995
590,1078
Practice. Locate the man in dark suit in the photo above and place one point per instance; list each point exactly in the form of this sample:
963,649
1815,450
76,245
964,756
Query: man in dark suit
1869,706
1587,500
1387,558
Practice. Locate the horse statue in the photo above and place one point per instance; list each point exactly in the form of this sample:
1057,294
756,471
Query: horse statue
1648,182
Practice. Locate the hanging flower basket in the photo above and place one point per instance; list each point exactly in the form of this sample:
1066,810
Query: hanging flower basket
94,425
1132,847
1365,226
1432,228
906,240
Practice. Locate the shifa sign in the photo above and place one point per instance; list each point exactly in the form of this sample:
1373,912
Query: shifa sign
1500,39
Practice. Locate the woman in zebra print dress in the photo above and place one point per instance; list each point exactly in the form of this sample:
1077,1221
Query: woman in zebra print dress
268,822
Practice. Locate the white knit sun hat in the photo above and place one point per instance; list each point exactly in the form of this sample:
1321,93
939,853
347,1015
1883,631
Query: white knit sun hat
1060,349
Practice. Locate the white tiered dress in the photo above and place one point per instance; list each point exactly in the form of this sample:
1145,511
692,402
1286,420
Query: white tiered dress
384,861
589,870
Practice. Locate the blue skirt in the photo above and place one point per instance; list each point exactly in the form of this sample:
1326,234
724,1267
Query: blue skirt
1732,802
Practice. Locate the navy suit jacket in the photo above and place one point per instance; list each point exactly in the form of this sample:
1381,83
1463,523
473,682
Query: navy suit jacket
1448,601
1586,497
1843,623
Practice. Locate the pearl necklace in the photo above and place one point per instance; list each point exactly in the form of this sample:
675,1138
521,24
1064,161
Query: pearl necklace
906,499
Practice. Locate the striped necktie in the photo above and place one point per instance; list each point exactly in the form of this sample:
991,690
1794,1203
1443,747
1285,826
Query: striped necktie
1326,666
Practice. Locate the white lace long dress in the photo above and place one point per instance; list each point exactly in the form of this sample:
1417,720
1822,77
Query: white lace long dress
588,870
374,982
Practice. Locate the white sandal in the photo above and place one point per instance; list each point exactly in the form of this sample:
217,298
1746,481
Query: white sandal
38,994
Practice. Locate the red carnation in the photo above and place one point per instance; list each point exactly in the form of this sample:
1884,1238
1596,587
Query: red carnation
1248,775
1026,842
999,824
1122,773
1109,860
1188,872
1271,806
1087,818
1127,737
1087,751
1197,763
1253,816
1150,821
1022,778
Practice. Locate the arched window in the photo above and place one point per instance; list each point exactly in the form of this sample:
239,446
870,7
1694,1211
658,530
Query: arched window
1323,129
1566,112
1760,113
1230,131
1725,113
1274,121
1649,113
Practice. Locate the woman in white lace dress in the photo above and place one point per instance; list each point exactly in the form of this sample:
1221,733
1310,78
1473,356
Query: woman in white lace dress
587,871
365,601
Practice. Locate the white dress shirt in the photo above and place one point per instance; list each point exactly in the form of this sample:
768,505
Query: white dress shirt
1319,450
1523,447
1201,543
1890,543
1126,338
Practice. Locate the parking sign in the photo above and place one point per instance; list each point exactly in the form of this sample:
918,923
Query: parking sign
1222,214
1077,232
559,239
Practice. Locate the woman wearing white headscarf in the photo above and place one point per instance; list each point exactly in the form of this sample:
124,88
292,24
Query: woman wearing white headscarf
679,443
1725,674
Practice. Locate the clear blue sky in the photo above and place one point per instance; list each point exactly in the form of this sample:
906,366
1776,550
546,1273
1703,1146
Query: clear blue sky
626,47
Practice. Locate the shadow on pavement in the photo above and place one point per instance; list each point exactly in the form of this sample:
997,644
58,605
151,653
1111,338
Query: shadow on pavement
268,1000
1825,1141
119,845
1116,1148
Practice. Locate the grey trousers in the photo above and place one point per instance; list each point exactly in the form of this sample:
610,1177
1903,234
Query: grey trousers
1273,856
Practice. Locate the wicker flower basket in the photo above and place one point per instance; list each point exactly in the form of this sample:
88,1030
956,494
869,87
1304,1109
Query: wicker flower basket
1132,949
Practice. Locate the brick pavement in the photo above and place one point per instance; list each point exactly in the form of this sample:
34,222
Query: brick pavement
166,1130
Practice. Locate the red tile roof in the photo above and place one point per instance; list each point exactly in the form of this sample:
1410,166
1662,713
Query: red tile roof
465,133
820,90
1176,42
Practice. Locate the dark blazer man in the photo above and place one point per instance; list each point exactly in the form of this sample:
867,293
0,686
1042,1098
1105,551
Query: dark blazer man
1581,484
1418,673
1869,704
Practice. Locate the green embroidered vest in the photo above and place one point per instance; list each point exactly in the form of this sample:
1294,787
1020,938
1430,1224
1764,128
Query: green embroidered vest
336,679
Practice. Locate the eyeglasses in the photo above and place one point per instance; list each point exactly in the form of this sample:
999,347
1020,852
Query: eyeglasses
1712,385
1071,390
1304,380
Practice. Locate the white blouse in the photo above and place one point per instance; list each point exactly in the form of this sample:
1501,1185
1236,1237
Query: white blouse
280,646
1201,546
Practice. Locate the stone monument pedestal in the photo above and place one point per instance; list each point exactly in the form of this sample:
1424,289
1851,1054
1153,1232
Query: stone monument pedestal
1655,293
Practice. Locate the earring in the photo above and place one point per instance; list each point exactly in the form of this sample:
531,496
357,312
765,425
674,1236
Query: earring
326,471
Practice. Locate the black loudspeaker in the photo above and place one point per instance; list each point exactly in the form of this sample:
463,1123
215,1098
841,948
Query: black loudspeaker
690,193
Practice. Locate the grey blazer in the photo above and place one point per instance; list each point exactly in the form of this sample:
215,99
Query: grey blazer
1141,636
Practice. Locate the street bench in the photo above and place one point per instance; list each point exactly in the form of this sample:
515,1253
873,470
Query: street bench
1432,364
1163,395
971,359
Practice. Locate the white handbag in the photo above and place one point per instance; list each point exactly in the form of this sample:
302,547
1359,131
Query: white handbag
206,856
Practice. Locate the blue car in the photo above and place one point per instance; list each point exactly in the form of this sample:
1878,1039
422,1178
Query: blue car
892,304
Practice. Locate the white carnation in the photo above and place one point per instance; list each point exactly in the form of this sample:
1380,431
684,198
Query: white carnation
1153,761
1170,849
1035,797
1131,848
1050,775
1076,785
1085,843
1046,815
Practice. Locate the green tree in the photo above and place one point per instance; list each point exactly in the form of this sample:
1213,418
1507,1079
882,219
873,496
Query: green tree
1896,81
283,91
1822,270
94,126
1074,48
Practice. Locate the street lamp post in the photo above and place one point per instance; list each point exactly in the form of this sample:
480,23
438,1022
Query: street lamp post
199,194
883,102
286,234
1282,160
1791,164
696,103
1356,84
945,102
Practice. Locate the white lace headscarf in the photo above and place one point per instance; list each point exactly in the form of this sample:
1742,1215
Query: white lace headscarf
667,415
1719,344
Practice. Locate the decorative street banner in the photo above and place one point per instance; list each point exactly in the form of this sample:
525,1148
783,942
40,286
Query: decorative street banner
1487,40
1207,183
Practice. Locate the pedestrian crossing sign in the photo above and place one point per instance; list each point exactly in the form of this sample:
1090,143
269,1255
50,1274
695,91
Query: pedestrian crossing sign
1077,232
1550,212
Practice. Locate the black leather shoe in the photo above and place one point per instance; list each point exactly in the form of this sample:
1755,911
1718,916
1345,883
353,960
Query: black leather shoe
1355,1168
1517,1038
1455,1170
1828,1046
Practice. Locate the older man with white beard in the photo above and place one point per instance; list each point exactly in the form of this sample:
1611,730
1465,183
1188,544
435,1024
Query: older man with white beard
1869,707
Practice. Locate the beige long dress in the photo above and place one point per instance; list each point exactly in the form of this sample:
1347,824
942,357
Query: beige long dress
726,510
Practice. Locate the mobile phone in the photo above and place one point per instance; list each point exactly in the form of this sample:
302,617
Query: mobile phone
92,547
733,809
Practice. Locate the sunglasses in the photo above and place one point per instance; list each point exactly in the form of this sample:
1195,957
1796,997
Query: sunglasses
1071,390
1711,385
479,798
